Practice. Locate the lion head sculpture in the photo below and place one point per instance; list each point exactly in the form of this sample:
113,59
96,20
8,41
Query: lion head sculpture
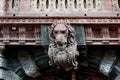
63,47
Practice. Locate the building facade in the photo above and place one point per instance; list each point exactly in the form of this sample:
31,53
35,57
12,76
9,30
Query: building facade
24,39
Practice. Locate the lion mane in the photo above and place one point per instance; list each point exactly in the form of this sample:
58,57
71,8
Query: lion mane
66,58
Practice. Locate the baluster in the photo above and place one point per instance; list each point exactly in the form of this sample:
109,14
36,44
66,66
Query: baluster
90,32
22,34
9,5
80,5
2,6
70,5
119,33
5,34
98,5
13,5
16,5
115,5
42,6
89,4
61,5
105,32
37,34
52,5
86,32
34,5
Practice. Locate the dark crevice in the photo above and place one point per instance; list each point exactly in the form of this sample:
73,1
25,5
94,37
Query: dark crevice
66,4
94,4
119,3
13,3
56,3
47,3
38,4
75,3
84,3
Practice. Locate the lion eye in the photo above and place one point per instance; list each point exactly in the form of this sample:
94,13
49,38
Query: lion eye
63,32
56,32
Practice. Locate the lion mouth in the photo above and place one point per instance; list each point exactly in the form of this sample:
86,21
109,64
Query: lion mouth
61,45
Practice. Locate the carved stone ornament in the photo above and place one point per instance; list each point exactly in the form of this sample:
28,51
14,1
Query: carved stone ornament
63,47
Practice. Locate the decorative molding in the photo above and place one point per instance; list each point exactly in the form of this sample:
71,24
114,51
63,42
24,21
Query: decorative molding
50,20
13,5
56,5
90,40
115,5
109,35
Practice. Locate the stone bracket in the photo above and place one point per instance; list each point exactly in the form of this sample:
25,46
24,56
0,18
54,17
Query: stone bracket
28,64
108,62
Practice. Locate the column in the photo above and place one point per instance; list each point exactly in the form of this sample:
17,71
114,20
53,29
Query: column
89,5
37,34
42,5
22,34
70,5
80,5
52,5
115,5
88,32
119,34
2,7
5,34
105,32
61,5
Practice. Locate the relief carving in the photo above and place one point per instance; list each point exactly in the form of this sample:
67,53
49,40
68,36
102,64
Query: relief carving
13,5
63,47
115,5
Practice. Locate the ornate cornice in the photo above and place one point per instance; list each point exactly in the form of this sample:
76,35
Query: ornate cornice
50,20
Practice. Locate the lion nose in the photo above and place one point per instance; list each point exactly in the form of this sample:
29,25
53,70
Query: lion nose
59,38
59,43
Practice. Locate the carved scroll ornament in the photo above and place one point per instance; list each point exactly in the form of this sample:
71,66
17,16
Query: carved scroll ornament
63,47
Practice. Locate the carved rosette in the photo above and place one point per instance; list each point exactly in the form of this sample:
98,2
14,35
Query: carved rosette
64,57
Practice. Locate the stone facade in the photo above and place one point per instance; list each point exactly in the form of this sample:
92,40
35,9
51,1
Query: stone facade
24,39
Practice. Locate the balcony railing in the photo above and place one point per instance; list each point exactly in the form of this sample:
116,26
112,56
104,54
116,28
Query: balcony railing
19,34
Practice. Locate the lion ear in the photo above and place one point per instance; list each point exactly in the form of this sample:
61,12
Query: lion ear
52,26
71,34
71,31
51,34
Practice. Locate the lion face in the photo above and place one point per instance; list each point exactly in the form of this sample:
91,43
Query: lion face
63,47
60,33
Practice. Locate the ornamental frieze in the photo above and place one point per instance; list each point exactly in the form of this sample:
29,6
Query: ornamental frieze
50,20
